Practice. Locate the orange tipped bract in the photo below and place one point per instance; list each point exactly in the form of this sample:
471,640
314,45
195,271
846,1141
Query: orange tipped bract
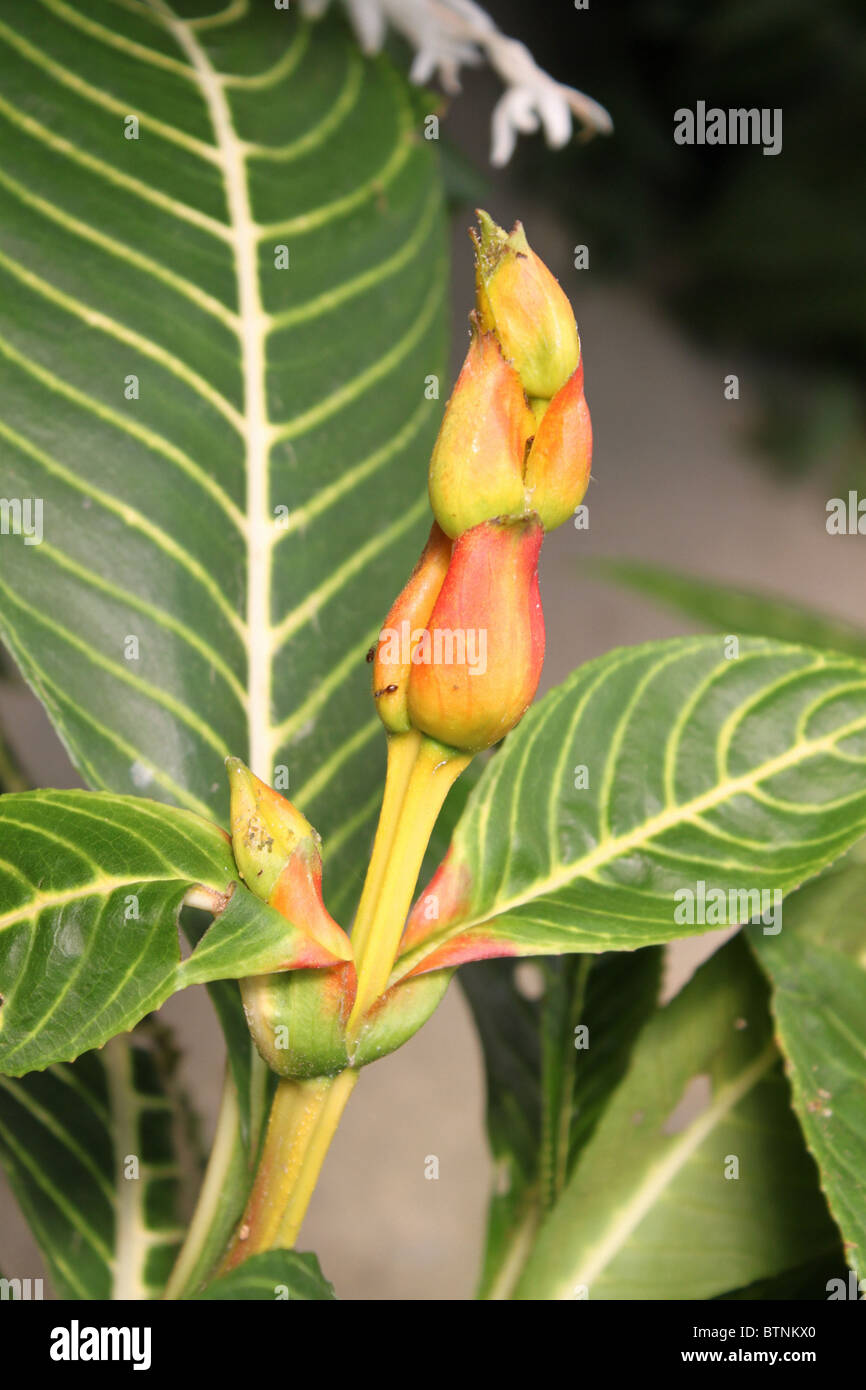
402,630
278,855
476,469
477,668
559,461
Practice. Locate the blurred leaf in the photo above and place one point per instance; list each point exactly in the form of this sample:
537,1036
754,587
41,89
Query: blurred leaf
544,1093
650,1211
737,611
807,1282
817,967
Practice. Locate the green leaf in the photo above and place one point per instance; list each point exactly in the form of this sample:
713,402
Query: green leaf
94,1154
737,611
250,515
649,1212
744,775
545,1093
817,966
809,1281
91,886
276,1275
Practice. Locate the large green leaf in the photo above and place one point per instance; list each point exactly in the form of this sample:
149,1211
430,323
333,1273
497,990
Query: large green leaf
817,967
547,1084
655,1208
91,886
277,1275
738,611
744,775
95,1154
249,517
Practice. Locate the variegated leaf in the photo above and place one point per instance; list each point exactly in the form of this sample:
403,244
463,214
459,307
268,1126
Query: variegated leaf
97,1153
221,297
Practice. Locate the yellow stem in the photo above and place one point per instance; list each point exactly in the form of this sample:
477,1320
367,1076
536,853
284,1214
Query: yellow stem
402,752
303,1120
305,1114
333,1105
433,774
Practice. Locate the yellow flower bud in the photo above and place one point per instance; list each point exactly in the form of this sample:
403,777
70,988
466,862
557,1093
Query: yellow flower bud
523,304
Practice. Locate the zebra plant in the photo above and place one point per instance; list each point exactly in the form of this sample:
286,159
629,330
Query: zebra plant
222,329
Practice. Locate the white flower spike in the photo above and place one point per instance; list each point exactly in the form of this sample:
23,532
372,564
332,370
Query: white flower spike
450,34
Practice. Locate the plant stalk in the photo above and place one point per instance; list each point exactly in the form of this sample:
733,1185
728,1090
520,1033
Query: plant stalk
305,1114
304,1118
433,773
402,753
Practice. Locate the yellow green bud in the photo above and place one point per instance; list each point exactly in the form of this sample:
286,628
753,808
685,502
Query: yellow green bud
523,304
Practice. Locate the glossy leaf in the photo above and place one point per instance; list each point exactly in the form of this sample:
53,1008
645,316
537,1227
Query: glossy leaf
655,1208
90,890
649,773
277,1275
817,966
215,334
95,1152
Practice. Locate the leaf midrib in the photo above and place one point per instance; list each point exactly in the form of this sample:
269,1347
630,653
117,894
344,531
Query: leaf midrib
97,887
256,430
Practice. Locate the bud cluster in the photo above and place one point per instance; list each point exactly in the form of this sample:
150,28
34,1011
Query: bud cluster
298,1017
511,461
516,435
456,667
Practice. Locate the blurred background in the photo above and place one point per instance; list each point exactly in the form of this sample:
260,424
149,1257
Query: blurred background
703,262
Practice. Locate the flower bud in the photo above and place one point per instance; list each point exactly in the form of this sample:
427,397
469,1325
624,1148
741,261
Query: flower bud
519,300
476,469
277,852
298,1019
557,469
403,628
476,669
